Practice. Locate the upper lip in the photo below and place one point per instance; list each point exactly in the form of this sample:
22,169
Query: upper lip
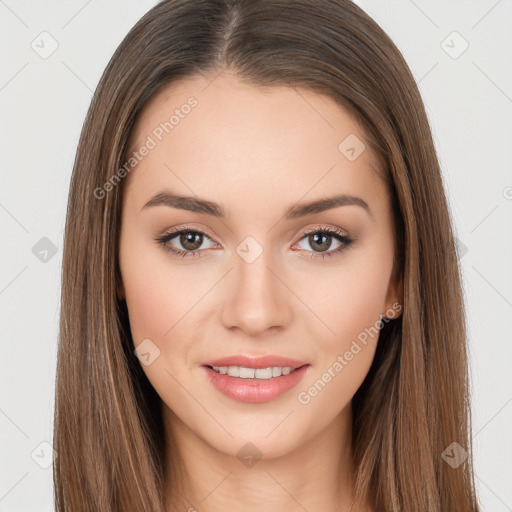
256,362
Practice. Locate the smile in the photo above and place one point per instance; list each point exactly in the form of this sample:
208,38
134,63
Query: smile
253,373
254,385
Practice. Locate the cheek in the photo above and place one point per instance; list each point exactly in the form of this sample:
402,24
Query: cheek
164,306
349,303
158,296
350,296
346,354
151,311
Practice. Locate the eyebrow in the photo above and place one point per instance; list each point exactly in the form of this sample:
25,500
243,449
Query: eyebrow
196,204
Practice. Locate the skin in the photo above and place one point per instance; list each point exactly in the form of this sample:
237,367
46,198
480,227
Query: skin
256,152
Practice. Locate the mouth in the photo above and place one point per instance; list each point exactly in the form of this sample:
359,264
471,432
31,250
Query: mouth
255,385
243,372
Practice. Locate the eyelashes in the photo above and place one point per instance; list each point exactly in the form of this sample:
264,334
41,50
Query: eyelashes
321,235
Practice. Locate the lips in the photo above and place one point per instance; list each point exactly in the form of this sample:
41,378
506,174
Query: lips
255,390
256,362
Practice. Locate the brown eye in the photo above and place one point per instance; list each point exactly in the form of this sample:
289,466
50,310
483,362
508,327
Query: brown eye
188,242
184,242
191,240
321,240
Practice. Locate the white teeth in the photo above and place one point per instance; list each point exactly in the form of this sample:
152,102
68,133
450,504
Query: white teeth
233,371
263,373
246,373
251,373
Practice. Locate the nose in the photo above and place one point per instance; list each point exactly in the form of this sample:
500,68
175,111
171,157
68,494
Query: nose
257,298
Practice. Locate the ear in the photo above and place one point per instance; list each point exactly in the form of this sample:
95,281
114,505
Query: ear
394,296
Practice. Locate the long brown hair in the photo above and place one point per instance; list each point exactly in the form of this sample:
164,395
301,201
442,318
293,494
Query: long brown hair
414,402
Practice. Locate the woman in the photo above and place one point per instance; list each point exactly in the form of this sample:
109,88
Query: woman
261,302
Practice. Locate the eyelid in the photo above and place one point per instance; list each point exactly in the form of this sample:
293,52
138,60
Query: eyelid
188,227
338,233
324,228
304,232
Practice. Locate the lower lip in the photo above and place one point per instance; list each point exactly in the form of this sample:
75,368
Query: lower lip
255,390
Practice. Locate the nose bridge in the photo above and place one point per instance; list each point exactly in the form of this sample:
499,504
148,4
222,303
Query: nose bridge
257,299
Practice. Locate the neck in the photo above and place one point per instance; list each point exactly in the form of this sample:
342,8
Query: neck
316,475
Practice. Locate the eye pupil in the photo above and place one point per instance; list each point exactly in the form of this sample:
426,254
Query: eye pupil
189,240
325,241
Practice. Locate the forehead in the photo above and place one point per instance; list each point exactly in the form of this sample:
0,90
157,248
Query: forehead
229,137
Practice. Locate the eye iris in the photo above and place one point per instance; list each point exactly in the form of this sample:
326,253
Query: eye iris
191,241
325,240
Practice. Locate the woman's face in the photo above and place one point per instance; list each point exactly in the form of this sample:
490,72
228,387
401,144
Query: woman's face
265,269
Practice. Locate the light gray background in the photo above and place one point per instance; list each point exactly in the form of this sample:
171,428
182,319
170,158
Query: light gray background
43,103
